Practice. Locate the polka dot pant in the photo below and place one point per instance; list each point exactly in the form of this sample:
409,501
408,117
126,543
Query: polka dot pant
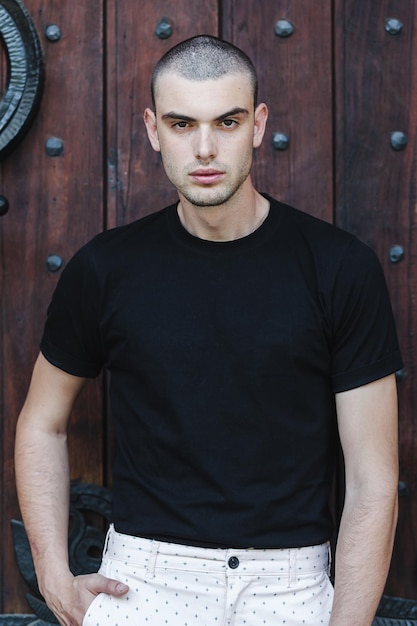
175,585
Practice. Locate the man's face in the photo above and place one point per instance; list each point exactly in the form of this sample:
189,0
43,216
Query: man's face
206,132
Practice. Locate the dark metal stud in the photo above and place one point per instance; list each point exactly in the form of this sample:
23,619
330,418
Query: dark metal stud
54,146
284,28
54,263
398,140
396,254
401,375
163,29
403,489
4,205
53,32
393,26
280,141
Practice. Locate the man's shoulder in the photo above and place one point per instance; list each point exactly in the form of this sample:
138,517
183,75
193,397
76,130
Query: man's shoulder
315,238
140,228
308,223
136,235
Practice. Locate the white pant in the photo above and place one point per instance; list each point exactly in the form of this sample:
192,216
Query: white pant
176,585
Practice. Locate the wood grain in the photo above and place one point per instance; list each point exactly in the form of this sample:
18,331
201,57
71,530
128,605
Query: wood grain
137,182
295,76
56,205
338,87
376,198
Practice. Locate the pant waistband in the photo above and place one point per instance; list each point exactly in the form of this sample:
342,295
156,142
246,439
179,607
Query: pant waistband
150,554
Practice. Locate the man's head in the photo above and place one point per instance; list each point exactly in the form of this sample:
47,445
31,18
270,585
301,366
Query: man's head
204,122
204,58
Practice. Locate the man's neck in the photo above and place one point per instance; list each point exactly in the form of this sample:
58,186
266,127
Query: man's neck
236,219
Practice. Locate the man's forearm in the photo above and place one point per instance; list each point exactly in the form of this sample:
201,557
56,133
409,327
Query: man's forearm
42,476
363,556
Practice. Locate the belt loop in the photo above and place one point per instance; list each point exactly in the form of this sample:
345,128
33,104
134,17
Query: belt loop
329,567
107,539
292,568
153,553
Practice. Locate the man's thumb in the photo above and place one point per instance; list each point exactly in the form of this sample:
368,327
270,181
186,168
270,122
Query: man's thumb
121,589
113,587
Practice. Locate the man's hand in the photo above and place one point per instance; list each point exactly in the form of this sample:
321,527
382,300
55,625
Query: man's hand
73,596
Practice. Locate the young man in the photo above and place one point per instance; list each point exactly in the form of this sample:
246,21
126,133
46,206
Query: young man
240,334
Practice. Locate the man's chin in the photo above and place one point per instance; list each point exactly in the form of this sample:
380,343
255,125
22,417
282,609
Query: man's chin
207,200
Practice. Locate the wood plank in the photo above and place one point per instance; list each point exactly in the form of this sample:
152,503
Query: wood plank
55,206
376,78
137,183
295,76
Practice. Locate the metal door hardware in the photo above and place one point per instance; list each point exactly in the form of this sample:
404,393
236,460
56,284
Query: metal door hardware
164,29
54,146
396,253
284,28
19,104
398,140
53,32
280,141
393,26
4,205
54,263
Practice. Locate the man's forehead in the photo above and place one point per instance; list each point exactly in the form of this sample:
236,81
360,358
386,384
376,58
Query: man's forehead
230,90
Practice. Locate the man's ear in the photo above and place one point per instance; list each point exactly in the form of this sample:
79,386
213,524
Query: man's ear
261,116
149,118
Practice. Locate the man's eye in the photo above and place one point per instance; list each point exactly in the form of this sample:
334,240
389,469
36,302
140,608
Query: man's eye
181,125
229,123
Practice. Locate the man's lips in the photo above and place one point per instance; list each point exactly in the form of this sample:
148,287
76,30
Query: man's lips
206,176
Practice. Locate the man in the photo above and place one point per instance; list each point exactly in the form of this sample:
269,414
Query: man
239,334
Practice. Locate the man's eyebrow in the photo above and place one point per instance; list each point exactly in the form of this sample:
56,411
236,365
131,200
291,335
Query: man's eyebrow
232,112
173,115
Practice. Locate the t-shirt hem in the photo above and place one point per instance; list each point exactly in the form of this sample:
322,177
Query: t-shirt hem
68,364
368,373
278,543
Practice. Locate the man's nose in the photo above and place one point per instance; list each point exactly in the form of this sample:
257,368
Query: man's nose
205,144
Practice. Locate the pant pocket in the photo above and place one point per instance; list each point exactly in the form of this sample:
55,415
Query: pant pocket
95,608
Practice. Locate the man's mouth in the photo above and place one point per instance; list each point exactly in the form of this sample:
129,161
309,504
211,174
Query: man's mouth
206,176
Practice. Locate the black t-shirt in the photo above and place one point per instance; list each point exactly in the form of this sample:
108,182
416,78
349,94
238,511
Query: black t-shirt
224,358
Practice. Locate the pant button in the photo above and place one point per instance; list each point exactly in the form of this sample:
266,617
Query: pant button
233,562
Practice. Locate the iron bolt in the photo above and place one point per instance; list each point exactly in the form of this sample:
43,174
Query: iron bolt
396,253
54,263
280,141
284,28
4,205
401,375
163,29
393,26
403,489
54,146
398,140
53,32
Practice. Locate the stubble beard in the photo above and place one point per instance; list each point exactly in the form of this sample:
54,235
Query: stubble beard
201,199
205,197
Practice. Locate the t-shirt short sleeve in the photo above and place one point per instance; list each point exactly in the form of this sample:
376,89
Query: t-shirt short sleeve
71,338
365,345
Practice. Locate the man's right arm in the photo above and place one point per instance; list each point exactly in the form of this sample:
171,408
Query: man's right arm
43,479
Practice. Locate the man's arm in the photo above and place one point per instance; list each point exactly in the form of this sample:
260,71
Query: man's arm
367,418
42,475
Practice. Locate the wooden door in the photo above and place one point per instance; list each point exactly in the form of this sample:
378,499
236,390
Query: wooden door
338,84
376,184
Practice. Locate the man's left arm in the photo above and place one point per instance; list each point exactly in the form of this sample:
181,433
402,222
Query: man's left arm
367,419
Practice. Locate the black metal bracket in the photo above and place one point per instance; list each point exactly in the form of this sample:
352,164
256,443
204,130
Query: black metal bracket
85,543
26,71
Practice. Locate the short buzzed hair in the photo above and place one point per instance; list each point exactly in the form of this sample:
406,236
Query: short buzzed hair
205,58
